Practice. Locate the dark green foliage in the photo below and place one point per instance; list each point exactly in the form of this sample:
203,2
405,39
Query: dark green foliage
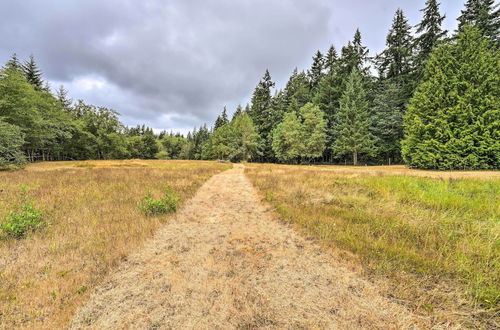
316,71
430,32
32,73
352,122
453,120
150,206
353,56
484,15
396,61
387,121
221,120
11,142
297,91
25,218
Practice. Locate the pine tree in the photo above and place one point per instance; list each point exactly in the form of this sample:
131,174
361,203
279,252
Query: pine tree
482,14
453,120
32,73
352,123
316,71
430,32
396,59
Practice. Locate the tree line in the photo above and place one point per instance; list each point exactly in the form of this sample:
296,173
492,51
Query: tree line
433,103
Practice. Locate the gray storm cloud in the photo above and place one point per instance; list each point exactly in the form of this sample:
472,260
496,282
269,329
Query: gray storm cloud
175,64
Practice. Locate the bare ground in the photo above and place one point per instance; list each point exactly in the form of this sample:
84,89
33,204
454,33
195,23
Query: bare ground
224,261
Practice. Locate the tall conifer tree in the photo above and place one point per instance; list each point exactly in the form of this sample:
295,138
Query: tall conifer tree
430,32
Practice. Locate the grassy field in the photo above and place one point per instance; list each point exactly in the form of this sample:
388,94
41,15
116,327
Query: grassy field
93,223
429,239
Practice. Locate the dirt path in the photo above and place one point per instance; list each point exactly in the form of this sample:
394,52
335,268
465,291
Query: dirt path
224,262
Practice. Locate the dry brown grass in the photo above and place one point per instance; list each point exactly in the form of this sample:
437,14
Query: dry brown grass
225,262
93,224
430,239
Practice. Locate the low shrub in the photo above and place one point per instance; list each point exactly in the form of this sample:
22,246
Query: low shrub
25,218
150,206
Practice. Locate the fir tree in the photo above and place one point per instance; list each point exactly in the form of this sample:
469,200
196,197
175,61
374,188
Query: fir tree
430,32
482,14
221,120
387,120
453,120
32,73
239,111
297,91
316,71
396,59
14,64
353,56
331,60
62,97
352,123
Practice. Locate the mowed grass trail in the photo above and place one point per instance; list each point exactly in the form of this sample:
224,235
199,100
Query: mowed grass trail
431,238
93,224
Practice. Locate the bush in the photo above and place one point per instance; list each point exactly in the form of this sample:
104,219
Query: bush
24,219
151,207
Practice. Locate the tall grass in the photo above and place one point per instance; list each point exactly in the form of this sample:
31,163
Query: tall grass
436,239
92,223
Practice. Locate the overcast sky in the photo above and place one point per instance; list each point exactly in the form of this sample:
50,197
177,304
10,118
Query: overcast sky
174,64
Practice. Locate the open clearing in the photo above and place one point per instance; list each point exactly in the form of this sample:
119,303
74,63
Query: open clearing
332,247
428,238
224,262
93,224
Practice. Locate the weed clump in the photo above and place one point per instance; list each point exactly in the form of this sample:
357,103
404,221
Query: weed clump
25,218
150,206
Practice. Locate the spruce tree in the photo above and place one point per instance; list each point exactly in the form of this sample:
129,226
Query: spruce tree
453,120
32,73
352,123
430,32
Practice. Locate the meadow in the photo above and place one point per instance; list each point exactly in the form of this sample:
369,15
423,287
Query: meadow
92,222
428,239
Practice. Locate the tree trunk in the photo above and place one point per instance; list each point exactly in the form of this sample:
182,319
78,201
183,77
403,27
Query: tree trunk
355,158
